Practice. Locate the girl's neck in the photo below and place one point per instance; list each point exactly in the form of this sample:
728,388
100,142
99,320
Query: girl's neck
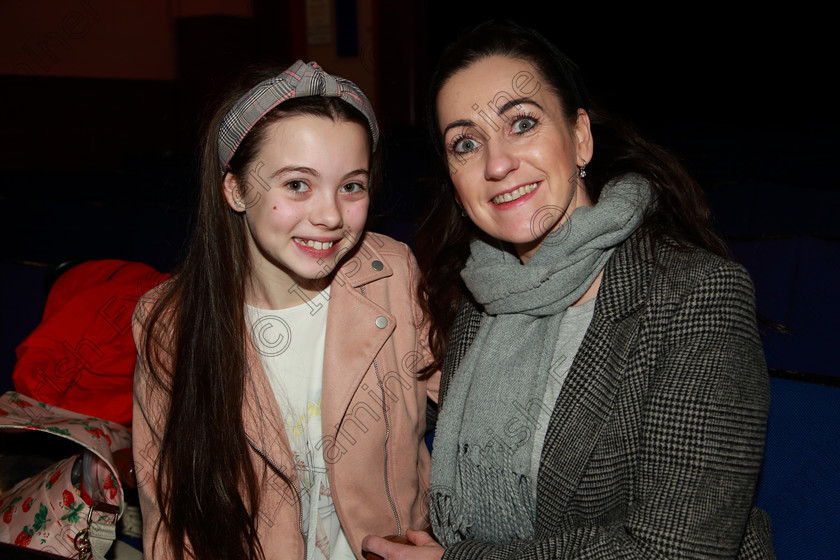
276,289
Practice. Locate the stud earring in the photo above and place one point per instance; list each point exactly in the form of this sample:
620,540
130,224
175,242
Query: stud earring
582,170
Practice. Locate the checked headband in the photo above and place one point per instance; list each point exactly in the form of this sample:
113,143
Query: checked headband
299,80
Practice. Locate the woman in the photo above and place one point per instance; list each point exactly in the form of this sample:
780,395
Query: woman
283,299
604,393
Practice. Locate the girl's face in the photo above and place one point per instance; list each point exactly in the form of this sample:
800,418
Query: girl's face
305,201
513,156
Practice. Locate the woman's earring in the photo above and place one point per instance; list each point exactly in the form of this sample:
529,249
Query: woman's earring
239,204
582,170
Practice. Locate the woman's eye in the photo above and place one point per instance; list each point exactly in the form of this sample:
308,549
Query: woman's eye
465,145
297,186
523,125
353,187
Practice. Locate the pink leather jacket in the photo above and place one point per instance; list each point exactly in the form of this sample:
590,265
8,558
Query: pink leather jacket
373,412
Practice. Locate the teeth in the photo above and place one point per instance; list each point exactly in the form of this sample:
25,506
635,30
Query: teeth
317,245
513,195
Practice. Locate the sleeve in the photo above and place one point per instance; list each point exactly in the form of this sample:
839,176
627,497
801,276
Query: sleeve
701,441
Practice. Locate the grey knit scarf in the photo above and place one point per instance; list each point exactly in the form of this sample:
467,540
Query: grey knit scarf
482,484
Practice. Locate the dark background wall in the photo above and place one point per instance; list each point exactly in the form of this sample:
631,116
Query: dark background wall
101,106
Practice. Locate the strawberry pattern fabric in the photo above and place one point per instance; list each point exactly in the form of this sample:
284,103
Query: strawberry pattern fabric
47,510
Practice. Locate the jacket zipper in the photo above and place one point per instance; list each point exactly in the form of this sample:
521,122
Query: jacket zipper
387,436
277,469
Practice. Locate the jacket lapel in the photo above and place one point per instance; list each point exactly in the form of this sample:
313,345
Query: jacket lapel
353,338
357,329
585,402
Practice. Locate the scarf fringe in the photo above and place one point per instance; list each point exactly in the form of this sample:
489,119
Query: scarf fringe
500,502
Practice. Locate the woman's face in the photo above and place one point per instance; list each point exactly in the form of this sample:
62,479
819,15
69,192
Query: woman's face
513,156
305,199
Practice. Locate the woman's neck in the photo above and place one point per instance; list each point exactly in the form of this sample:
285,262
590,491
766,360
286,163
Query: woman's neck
592,291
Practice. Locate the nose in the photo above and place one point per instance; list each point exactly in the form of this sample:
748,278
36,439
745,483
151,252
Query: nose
500,160
326,211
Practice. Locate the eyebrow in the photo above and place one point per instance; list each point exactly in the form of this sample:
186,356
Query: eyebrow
499,111
294,169
356,172
519,101
314,173
457,124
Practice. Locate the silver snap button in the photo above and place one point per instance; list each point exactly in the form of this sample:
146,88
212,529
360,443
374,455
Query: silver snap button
381,322
377,265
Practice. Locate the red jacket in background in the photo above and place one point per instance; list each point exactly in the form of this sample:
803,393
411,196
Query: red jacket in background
82,355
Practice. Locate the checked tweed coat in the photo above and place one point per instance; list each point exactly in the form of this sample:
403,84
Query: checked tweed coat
655,443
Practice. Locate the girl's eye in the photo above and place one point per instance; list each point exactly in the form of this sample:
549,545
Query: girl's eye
524,124
297,186
353,188
464,145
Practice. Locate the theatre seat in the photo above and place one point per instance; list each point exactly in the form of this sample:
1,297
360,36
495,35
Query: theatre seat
800,480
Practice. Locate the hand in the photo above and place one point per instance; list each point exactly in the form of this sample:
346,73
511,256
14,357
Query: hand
422,547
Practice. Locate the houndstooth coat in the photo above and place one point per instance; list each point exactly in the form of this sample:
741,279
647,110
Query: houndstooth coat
655,443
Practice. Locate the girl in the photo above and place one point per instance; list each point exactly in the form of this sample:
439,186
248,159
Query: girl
277,412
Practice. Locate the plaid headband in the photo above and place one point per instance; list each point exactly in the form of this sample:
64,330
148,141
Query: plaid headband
299,80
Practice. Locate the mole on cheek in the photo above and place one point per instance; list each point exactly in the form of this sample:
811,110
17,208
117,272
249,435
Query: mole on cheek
275,208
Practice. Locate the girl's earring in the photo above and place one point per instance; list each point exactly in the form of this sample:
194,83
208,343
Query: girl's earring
582,170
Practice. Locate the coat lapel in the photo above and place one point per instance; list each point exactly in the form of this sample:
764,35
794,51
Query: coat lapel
586,400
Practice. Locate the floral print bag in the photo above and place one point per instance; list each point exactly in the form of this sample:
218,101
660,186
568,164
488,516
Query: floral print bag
71,508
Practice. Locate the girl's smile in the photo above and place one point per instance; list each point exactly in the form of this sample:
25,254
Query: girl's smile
311,206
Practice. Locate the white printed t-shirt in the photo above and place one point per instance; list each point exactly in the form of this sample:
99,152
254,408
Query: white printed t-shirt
291,346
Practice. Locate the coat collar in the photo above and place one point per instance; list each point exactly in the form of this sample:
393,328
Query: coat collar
626,278
364,264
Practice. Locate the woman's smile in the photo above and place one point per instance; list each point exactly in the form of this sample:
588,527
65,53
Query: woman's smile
505,175
514,194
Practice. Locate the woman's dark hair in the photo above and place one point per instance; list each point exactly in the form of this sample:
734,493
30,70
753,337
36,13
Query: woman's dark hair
195,348
678,215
